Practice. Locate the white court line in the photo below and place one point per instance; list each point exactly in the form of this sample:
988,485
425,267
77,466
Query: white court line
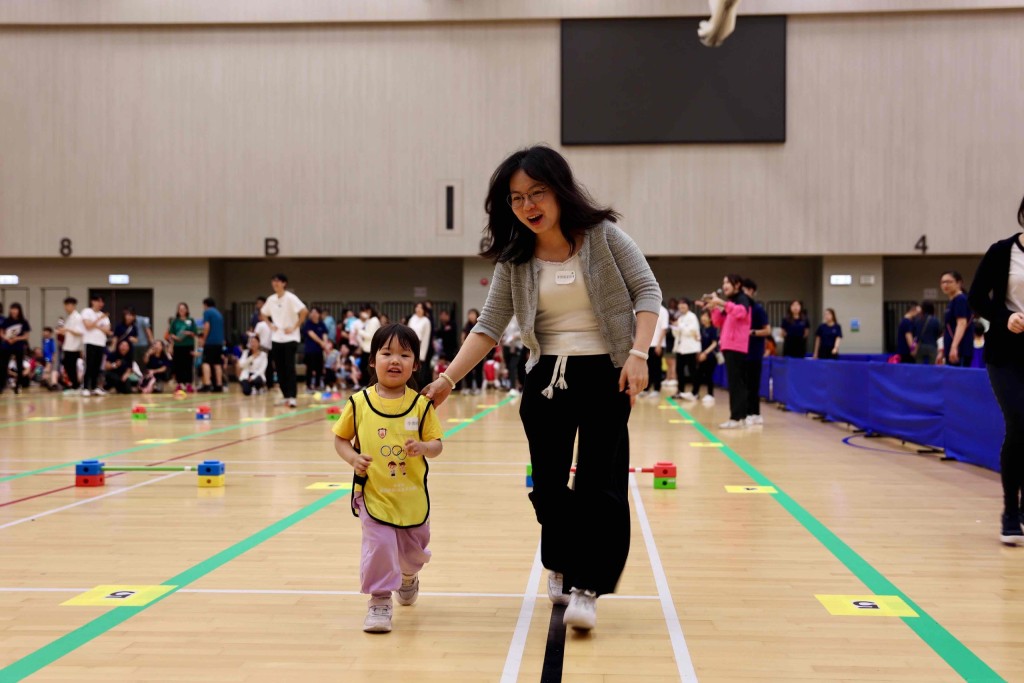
36,516
515,649
256,591
675,629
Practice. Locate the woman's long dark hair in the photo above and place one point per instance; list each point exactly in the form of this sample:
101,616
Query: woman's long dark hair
505,237
1020,213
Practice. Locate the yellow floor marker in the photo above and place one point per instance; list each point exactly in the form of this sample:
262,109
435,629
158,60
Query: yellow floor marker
332,485
158,441
751,489
255,419
460,419
663,407
119,596
706,444
43,419
680,422
866,606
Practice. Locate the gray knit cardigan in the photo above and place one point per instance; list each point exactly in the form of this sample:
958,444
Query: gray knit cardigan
619,283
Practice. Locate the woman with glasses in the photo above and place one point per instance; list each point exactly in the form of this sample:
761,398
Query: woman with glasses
997,294
573,280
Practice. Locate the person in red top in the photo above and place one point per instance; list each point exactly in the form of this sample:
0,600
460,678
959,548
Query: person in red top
732,316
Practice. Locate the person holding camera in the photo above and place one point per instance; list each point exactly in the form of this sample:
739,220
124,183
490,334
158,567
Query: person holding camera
732,316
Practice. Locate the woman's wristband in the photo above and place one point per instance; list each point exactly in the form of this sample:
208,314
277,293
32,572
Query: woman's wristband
639,354
447,378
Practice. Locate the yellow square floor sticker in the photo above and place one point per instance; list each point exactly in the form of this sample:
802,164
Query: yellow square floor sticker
866,606
255,419
706,444
332,485
119,596
680,422
751,489
664,407
158,441
460,419
43,419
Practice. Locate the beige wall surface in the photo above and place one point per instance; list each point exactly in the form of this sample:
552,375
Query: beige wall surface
862,302
338,140
307,11
172,280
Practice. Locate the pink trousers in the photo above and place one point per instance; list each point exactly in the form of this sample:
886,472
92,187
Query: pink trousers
388,553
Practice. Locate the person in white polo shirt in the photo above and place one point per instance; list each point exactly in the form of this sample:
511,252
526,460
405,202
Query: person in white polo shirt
73,331
97,328
285,313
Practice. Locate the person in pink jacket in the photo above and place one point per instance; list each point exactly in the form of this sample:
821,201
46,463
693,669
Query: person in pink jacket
732,316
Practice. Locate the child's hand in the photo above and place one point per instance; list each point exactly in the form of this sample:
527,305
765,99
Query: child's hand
361,463
415,448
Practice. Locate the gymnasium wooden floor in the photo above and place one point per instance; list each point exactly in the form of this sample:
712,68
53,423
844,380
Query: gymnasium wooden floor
720,586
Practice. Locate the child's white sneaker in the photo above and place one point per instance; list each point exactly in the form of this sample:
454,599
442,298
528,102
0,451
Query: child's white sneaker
581,613
733,424
687,396
410,589
378,616
708,400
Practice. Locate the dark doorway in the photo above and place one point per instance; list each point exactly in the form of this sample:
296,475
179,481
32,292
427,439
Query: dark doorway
116,300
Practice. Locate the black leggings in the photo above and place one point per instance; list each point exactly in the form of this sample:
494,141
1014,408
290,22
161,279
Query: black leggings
1008,386
18,354
686,371
181,364
734,366
584,530
93,364
706,375
752,380
69,360
314,369
283,354
654,372
249,384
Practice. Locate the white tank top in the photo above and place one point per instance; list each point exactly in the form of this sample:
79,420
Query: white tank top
565,323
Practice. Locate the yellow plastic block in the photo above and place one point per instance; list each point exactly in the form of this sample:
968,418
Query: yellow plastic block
119,596
866,606
207,481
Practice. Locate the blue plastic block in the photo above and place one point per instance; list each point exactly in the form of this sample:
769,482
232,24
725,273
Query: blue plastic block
203,416
529,481
211,468
91,467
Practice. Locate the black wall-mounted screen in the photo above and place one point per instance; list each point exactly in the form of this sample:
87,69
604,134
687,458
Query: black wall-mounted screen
643,81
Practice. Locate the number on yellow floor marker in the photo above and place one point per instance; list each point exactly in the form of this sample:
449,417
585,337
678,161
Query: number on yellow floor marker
866,606
119,596
332,485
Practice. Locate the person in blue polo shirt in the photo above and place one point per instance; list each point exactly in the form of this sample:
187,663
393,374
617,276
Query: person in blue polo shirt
905,337
828,337
213,347
957,342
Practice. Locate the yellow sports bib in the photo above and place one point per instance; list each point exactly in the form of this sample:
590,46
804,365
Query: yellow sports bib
394,488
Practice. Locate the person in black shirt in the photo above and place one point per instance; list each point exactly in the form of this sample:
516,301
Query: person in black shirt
928,333
760,330
957,344
14,331
795,331
997,294
118,368
905,343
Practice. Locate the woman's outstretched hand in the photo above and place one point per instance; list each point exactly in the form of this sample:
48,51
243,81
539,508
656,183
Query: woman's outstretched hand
633,378
437,391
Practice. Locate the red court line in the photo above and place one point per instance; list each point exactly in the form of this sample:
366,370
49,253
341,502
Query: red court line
161,462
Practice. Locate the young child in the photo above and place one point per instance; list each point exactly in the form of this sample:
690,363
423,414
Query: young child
50,373
386,432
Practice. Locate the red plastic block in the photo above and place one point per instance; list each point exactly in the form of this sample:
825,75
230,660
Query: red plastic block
664,469
90,479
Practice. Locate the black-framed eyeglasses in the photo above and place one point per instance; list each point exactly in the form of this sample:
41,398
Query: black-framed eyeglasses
516,201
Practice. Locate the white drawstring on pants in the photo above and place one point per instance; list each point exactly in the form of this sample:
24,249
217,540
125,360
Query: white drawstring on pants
557,377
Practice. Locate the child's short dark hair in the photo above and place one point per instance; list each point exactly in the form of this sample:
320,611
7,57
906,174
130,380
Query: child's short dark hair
48,329
71,300
407,339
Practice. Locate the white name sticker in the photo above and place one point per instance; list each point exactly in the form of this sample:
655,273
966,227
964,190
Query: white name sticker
412,424
565,277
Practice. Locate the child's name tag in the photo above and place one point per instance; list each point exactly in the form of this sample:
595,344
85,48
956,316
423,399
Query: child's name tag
565,277
412,424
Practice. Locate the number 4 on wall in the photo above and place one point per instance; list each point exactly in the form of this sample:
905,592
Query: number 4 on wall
922,244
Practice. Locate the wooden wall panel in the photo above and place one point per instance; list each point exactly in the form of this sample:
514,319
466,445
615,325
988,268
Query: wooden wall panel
201,142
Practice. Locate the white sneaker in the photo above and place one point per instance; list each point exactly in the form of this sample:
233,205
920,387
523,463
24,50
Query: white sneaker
555,589
708,400
86,392
581,613
513,392
754,420
687,396
378,616
408,593
99,392
292,403
733,424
